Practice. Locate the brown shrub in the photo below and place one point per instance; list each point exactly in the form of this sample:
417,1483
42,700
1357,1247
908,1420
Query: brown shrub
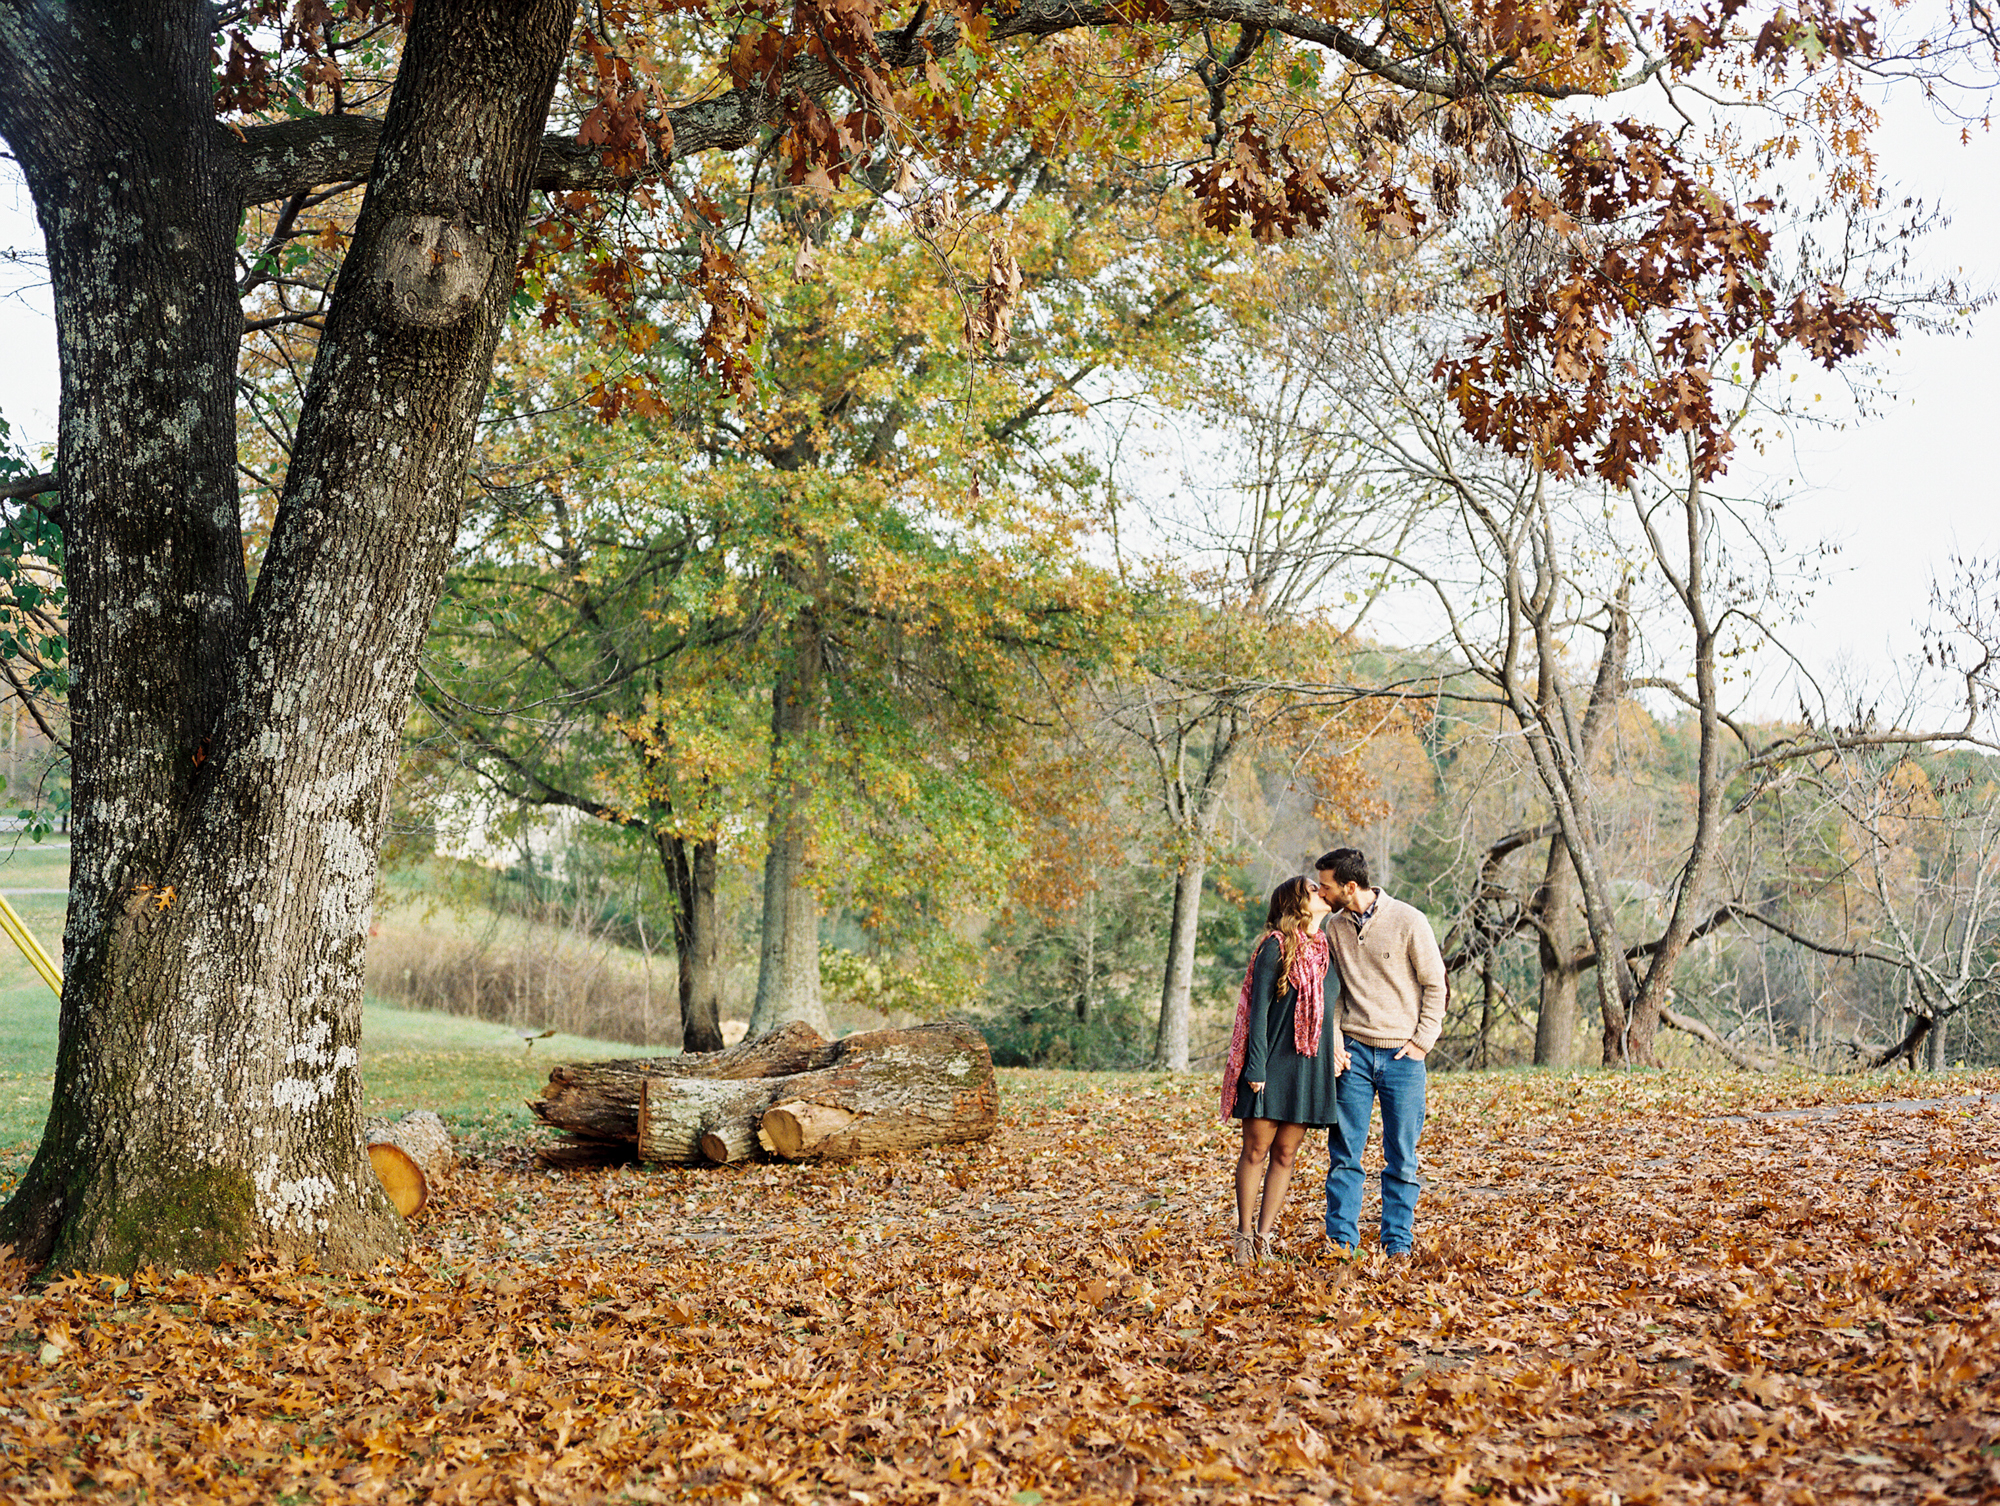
531,982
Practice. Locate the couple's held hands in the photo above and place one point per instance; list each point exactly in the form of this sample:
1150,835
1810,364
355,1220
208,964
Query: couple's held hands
1412,1051
1341,1060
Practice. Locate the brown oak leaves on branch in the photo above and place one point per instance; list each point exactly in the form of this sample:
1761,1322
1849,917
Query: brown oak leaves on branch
1599,343
1650,275
991,319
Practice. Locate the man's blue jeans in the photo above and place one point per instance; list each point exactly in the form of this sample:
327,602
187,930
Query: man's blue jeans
1375,1072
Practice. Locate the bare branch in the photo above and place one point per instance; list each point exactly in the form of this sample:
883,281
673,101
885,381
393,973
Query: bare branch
24,487
28,699
1702,1031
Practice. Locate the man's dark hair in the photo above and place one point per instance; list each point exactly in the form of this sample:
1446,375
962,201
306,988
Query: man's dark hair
1347,865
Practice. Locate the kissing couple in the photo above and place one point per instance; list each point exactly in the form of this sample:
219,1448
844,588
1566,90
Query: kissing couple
1294,1064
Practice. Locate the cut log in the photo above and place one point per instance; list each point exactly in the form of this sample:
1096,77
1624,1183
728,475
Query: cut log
872,1094
791,1130
569,1152
600,1100
889,1091
886,1091
674,1112
726,1141
412,1158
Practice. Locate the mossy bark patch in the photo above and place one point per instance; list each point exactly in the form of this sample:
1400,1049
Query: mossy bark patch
192,1217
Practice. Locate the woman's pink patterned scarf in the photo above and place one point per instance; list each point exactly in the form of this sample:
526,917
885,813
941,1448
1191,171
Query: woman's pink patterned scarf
1308,978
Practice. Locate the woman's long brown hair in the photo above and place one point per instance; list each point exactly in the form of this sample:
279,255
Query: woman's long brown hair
1289,915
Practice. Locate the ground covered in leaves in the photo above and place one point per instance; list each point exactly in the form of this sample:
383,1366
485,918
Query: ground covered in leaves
1665,1288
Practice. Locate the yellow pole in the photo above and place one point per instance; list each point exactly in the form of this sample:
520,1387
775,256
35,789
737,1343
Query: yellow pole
18,933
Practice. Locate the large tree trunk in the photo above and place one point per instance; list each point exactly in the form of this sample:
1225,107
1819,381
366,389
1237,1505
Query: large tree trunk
118,148
690,868
230,760
788,961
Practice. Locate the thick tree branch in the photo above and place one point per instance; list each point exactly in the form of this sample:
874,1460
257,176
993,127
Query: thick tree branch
276,161
1722,915
1041,18
535,788
23,487
1921,1027
1487,933
1513,842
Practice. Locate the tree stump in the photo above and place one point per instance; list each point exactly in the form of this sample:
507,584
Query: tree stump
412,1158
881,1092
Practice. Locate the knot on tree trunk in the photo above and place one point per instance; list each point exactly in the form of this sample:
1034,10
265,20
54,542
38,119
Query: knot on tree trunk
434,268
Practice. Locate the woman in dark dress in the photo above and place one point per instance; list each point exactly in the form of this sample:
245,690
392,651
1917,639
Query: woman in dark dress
1283,1058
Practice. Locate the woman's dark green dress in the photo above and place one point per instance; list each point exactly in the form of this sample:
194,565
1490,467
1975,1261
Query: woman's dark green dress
1297,1089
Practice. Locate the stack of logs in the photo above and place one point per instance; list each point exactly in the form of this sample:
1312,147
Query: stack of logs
791,1094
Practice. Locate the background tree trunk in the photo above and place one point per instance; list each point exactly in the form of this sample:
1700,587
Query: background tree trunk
788,961
230,765
690,868
1481,1047
1690,584
1559,1016
1086,960
1193,808
1935,1055
1170,1049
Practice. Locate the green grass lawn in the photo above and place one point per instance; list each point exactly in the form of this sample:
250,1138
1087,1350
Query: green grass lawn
479,1076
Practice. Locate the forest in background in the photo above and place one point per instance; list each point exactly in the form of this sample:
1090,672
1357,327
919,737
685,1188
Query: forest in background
562,935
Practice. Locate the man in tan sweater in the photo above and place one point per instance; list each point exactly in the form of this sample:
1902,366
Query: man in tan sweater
1393,992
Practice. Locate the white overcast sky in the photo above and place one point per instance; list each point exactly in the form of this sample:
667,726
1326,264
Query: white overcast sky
1903,490
1899,492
